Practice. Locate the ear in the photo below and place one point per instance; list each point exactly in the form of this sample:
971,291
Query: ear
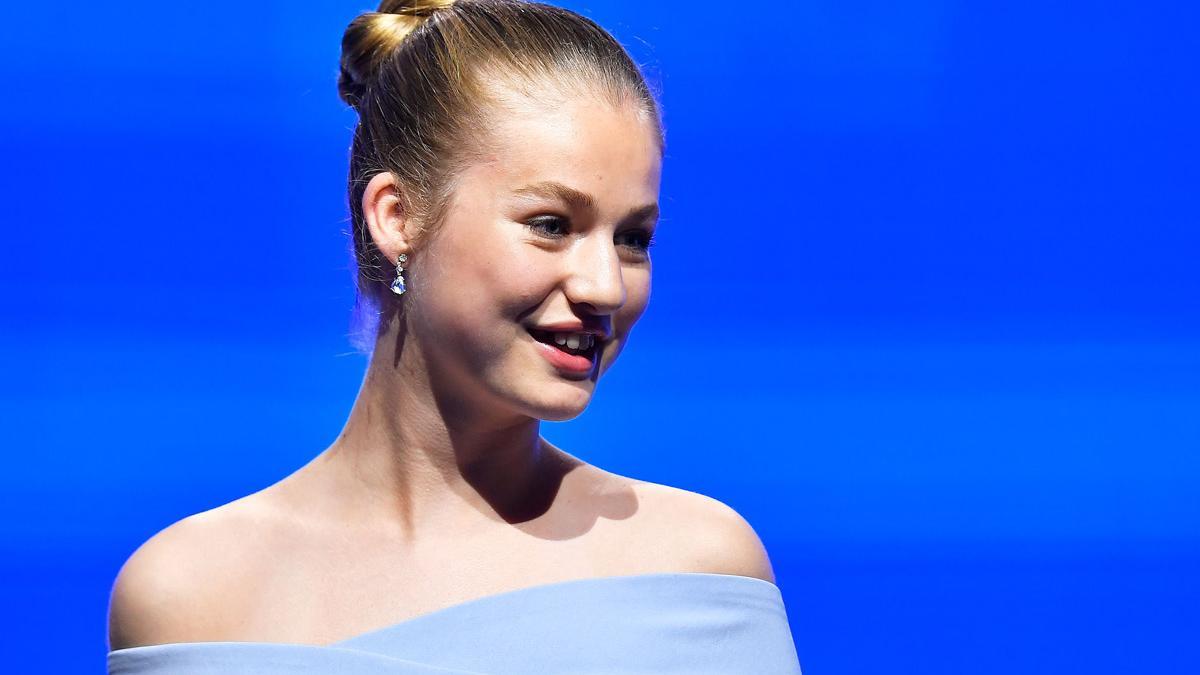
386,220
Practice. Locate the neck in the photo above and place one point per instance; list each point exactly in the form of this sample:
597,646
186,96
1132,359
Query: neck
419,456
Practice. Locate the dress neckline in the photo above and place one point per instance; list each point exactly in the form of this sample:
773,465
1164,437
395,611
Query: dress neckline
736,579
550,586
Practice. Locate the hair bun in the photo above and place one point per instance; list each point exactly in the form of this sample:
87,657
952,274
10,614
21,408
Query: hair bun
374,36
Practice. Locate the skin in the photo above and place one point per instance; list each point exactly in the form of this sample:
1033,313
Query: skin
451,406
440,489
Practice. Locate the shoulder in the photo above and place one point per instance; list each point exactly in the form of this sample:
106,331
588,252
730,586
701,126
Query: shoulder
180,584
702,534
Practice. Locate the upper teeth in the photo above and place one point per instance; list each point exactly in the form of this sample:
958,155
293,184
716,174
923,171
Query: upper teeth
574,340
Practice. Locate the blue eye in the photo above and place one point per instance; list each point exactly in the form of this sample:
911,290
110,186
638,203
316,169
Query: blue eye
545,224
556,227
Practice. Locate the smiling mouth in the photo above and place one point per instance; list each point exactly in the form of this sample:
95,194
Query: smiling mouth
556,340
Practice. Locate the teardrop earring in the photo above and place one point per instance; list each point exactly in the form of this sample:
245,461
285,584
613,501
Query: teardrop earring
398,286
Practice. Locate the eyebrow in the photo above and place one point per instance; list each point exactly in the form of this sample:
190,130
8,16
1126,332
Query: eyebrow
581,201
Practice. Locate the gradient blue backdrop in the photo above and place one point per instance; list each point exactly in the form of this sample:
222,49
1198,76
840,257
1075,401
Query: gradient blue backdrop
925,309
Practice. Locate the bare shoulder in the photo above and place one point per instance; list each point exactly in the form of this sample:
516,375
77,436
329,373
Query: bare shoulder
180,584
699,533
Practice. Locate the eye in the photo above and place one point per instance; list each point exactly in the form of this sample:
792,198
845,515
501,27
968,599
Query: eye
557,227
640,240
553,227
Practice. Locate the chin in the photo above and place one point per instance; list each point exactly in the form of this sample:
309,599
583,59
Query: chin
557,417
566,407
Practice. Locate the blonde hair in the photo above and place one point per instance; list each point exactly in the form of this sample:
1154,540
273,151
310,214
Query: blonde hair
421,74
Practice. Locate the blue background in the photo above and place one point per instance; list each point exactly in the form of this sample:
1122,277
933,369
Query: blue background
943,256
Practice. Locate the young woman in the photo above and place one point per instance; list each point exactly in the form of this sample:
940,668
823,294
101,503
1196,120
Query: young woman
503,185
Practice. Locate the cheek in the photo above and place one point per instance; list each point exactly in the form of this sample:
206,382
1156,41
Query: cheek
450,287
637,297
484,278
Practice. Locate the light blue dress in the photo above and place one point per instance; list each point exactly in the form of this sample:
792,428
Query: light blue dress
662,623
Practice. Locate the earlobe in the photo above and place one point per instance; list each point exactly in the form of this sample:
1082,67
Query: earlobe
384,214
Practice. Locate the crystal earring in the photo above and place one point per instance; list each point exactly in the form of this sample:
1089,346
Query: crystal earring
398,283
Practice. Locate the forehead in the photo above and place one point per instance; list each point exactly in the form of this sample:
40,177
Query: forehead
610,151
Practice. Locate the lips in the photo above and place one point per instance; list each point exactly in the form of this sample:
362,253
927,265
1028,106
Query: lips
549,338
566,362
596,330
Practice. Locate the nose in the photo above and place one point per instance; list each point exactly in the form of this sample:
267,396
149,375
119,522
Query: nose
594,277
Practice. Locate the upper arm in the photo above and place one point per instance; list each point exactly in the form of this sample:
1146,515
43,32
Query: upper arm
711,536
155,598
729,544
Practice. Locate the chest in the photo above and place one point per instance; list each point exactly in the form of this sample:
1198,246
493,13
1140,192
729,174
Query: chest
332,593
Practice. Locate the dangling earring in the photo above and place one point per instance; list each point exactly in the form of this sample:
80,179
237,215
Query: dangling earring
398,283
